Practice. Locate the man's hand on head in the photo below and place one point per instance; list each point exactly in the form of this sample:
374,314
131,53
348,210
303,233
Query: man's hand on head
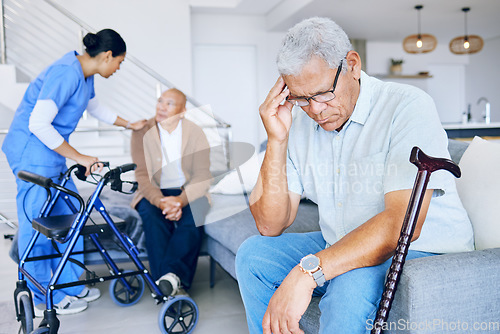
277,117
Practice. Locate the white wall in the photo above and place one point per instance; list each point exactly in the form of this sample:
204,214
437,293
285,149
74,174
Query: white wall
483,79
247,31
156,32
450,96
481,74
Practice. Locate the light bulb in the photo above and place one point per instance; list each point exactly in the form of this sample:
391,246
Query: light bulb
466,44
419,43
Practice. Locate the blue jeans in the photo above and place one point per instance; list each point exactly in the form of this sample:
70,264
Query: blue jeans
348,301
173,247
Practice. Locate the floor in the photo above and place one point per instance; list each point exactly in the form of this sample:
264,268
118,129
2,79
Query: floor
220,308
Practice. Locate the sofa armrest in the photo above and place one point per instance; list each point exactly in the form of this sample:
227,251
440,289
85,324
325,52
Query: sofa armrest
446,290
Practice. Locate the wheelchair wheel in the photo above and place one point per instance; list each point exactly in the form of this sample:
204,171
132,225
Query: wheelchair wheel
26,314
179,315
123,296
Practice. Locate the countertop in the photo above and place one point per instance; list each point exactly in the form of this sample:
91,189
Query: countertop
474,125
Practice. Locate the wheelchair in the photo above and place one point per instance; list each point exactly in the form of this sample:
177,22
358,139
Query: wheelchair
178,315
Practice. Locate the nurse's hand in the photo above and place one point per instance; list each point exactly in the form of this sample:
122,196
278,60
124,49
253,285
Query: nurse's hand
68,151
91,163
137,125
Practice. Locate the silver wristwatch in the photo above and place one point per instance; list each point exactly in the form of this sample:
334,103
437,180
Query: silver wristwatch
311,265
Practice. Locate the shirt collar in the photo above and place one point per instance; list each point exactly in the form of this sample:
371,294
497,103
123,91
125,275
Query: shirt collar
176,130
362,108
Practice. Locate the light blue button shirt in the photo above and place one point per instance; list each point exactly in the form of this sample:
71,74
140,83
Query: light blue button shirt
347,173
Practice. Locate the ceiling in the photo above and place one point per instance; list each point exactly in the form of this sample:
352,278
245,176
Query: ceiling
381,20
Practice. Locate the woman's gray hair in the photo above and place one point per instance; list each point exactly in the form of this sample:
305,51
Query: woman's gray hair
316,36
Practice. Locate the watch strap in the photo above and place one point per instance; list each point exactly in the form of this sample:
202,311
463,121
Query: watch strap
319,277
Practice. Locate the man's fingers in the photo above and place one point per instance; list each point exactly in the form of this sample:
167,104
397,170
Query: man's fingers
278,86
288,105
275,327
278,99
294,328
266,324
276,90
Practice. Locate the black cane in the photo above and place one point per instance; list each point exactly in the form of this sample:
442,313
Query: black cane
426,165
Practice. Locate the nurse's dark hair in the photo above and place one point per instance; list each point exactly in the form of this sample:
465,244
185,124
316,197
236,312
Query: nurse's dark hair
103,41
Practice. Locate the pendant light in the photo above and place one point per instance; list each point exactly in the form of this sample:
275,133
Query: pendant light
466,44
419,43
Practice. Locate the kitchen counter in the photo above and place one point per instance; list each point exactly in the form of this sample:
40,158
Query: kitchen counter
467,130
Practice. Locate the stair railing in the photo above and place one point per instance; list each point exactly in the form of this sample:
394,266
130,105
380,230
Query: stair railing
132,91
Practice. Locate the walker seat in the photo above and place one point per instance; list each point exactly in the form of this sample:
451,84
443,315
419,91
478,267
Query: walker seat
57,227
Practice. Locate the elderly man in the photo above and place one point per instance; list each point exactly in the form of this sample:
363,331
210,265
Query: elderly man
347,151
173,160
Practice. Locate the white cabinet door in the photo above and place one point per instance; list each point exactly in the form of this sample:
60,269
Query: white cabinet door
447,88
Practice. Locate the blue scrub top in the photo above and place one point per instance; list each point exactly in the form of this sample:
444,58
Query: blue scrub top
64,83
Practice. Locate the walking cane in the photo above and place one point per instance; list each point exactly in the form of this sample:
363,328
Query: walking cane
426,165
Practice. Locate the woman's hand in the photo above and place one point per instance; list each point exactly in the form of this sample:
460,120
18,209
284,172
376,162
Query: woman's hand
277,117
68,151
137,125
91,163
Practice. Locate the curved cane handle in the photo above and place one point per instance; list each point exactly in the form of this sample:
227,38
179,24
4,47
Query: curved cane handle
431,164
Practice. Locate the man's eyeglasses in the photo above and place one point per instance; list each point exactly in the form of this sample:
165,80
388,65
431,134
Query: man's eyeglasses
320,97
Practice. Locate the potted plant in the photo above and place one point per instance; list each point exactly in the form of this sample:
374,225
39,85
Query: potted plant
396,66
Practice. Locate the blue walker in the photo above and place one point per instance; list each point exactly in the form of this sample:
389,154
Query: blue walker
178,315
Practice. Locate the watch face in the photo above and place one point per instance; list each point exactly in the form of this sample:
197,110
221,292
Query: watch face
310,262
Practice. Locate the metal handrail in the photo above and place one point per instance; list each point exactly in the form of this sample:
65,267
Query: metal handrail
3,57
84,129
137,62
20,22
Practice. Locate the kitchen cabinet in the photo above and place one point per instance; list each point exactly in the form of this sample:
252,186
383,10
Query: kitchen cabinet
469,130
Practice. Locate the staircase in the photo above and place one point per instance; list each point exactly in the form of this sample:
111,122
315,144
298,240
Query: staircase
30,26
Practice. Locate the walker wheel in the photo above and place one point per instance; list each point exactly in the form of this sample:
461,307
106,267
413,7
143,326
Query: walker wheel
179,315
26,314
124,296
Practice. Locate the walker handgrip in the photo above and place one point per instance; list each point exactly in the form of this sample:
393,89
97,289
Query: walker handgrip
127,167
35,178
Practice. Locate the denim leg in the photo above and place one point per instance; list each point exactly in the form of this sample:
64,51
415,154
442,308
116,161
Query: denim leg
351,299
262,263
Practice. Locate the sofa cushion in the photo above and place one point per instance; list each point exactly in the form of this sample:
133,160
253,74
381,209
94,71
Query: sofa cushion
233,230
479,190
448,290
457,149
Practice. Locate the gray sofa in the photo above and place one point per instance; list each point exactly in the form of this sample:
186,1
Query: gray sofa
456,293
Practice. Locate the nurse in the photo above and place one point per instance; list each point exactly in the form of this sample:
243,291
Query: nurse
38,142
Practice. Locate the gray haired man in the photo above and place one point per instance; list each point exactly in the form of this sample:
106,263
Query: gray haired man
347,152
